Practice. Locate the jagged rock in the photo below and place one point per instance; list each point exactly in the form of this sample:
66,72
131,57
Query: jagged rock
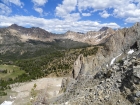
99,75
136,71
138,94
64,85
77,66
109,86
104,28
107,89
116,67
119,80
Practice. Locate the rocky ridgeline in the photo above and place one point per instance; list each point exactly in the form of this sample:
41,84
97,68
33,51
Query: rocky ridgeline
97,81
118,84
35,33
91,37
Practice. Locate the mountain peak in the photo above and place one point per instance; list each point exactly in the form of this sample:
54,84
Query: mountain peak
137,24
15,26
104,28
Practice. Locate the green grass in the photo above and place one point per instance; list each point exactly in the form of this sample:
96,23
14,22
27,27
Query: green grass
12,71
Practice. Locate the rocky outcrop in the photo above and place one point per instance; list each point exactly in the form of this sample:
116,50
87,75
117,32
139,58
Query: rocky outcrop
78,64
115,85
106,83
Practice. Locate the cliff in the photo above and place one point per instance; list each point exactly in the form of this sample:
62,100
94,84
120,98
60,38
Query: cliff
111,76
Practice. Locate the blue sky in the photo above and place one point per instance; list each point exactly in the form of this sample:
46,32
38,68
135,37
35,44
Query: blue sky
59,16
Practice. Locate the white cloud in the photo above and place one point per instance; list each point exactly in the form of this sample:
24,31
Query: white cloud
127,9
39,10
16,2
130,10
64,10
39,2
86,14
72,17
4,10
132,19
4,24
104,14
55,25
95,4
120,8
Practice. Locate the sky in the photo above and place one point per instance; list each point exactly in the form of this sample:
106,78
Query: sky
60,16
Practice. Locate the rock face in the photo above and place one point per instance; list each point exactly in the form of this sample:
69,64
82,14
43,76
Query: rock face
91,37
115,85
77,66
99,81
136,71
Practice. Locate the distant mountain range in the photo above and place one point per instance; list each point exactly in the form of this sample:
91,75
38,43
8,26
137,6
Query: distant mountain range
36,33
19,42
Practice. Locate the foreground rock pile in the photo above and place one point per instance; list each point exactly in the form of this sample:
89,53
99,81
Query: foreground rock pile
118,84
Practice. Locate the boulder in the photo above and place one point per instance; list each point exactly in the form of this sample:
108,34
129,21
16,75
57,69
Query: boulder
138,94
77,66
136,71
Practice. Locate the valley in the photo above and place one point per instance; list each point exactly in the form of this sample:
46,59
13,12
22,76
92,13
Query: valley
31,59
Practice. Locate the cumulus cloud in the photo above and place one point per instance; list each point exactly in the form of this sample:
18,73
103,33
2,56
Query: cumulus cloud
95,4
16,2
120,8
4,10
39,2
55,25
71,13
39,10
4,24
72,17
132,19
86,14
104,14
127,9
64,10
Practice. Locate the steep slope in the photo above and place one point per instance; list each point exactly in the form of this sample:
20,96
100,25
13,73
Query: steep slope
99,80
20,42
35,33
91,37
17,42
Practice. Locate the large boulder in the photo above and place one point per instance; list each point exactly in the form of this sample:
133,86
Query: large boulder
136,71
77,66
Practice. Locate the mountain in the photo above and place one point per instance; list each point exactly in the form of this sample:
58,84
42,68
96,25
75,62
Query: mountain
111,76
91,37
104,28
21,42
18,42
36,33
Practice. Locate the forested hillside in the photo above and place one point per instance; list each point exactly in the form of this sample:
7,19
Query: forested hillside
37,59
